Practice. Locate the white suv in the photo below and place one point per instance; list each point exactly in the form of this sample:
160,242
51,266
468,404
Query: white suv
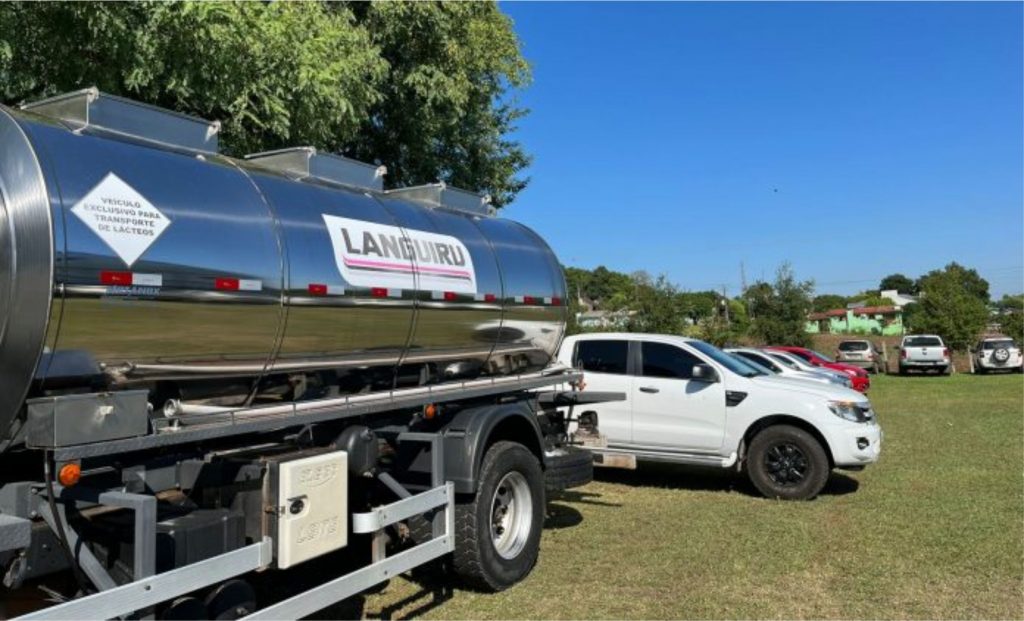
997,353
689,402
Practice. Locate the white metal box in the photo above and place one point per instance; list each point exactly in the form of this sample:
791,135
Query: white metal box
309,505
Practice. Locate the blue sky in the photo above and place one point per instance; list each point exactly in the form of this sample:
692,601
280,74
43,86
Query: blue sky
853,140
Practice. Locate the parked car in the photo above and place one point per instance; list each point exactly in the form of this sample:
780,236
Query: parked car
861,381
776,367
861,354
997,353
795,362
690,402
924,352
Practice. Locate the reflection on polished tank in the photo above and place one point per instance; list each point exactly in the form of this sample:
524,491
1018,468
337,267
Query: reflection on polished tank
132,254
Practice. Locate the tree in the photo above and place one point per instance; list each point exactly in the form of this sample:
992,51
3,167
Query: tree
899,283
827,302
1011,324
655,306
427,89
780,309
950,309
968,279
446,110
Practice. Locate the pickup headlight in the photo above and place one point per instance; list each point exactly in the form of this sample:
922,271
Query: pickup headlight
853,412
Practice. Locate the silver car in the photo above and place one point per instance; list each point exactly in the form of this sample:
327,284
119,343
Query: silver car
764,359
799,364
859,353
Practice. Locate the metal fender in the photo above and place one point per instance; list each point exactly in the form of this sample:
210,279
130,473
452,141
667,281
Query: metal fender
468,435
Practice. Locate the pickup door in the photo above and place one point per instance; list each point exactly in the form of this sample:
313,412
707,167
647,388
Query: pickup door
605,366
672,411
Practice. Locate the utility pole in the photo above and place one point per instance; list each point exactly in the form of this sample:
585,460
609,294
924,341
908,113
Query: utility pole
743,278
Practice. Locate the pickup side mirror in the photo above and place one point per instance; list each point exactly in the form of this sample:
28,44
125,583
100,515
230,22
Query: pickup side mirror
704,373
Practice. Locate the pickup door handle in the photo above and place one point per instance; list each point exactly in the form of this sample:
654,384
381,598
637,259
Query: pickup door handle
650,389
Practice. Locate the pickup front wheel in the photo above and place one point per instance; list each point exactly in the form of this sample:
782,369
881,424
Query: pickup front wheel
788,463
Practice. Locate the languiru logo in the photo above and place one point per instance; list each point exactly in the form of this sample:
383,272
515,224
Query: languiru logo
379,255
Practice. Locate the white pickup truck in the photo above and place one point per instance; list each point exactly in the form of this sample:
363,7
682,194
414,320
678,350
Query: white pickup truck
689,402
924,352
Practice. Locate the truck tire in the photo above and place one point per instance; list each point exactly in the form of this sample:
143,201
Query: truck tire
903,370
788,463
573,468
497,530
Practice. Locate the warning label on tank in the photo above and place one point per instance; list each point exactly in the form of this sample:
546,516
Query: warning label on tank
378,255
122,217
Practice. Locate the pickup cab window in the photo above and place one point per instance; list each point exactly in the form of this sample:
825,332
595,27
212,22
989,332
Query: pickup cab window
602,356
661,360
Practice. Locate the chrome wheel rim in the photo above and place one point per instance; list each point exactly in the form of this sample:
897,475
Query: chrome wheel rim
511,515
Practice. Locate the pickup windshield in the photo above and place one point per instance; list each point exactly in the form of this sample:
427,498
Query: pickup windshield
734,364
922,341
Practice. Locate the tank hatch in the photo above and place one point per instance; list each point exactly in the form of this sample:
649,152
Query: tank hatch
307,162
440,195
91,111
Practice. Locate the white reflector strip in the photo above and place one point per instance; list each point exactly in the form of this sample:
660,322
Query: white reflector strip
394,293
335,290
250,285
147,280
437,295
520,299
547,300
479,297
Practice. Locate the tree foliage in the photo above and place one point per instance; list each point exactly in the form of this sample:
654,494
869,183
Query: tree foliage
967,278
898,282
779,310
828,301
424,88
952,305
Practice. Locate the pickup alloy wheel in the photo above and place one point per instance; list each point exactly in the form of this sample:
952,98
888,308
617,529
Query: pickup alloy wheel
788,463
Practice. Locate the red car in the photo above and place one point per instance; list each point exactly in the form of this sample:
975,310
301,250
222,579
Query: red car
859,377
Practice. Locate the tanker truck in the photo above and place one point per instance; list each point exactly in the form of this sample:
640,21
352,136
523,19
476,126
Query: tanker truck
217,370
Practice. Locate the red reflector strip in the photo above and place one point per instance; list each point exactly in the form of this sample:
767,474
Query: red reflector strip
316,289
529,299
226,284
116,278
490,297
379,292
556,301
449,296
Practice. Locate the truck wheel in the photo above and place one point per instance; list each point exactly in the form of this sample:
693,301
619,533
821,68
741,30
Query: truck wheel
573,468
903,370
498,529
788,463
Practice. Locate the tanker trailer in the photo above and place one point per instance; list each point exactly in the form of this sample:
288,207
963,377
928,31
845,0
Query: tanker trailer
211,366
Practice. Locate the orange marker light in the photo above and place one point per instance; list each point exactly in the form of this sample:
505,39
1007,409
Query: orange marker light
69,474
430,411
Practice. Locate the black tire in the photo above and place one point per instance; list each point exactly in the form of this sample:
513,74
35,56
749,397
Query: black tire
903,370
476,559
945,370
572,469
788,463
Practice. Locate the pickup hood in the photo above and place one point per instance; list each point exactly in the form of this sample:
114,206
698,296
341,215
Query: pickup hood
828,392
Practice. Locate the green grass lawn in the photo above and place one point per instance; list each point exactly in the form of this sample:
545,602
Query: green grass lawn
934,530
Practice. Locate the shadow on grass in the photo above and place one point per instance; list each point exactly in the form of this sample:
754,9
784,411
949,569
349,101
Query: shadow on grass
700,478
